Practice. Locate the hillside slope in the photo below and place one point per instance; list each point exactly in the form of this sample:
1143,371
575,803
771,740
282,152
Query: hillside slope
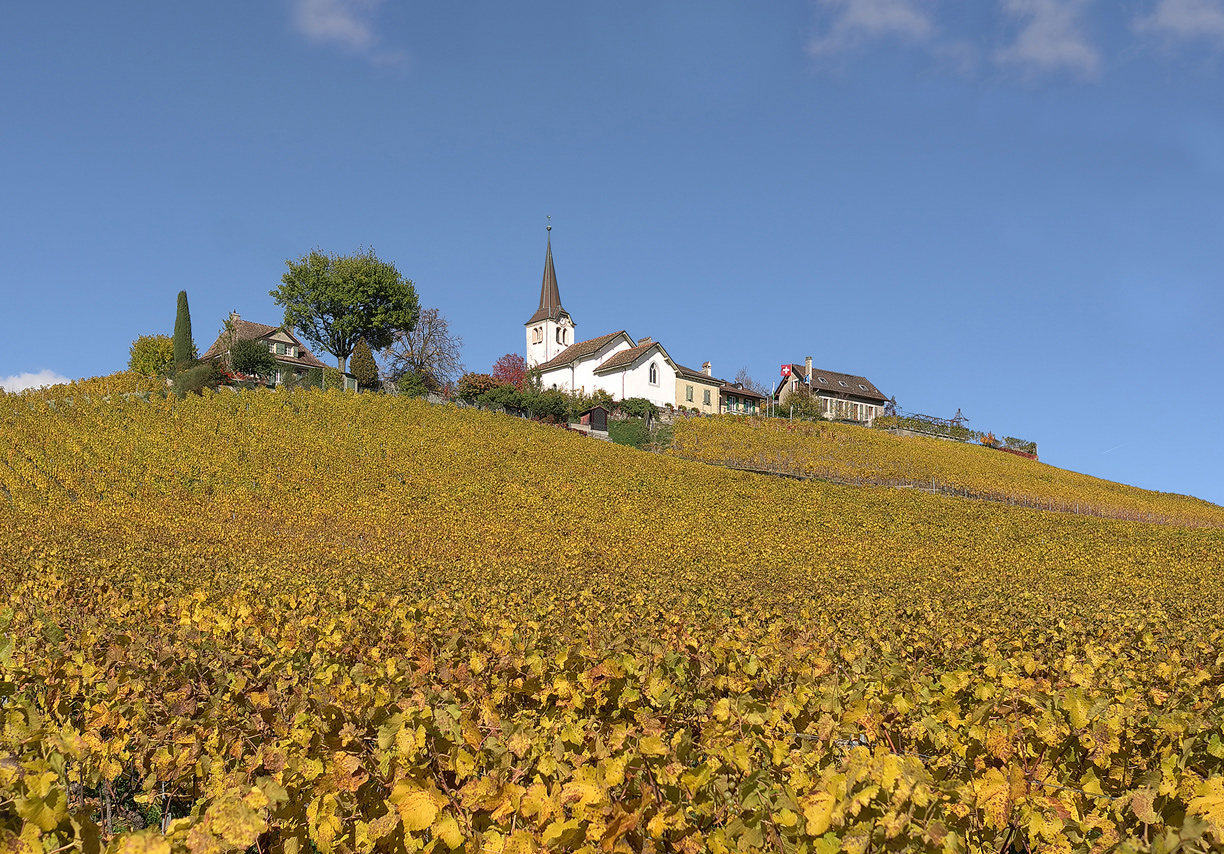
856,455
364,623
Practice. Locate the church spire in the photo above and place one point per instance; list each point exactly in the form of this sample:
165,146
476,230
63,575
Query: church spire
550,297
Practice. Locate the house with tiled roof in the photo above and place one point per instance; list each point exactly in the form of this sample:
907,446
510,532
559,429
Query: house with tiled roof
699,390
842,396
614,362
292,356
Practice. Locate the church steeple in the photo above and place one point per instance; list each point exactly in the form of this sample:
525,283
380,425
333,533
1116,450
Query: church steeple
550,329
550,296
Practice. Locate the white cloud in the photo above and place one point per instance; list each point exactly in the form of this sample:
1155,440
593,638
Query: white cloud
1051,38
21,382
856,20
1185,19
343,22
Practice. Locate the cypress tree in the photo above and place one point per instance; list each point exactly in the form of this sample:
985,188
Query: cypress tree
363,366
184,349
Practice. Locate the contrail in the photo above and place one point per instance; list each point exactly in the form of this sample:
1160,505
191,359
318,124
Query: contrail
1111,450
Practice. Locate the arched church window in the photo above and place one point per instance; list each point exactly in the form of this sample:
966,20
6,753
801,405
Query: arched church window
654,374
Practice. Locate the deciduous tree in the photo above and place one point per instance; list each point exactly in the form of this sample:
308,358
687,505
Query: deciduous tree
428,351
334,301
152,355
746,380
252,358
472,386
511,369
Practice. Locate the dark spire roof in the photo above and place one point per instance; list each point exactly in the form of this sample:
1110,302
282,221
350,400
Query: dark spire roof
550,296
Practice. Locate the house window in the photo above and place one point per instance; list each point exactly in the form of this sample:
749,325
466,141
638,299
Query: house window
280,349
654,374
688,393
705,397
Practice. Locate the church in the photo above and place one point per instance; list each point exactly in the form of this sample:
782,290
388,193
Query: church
615,362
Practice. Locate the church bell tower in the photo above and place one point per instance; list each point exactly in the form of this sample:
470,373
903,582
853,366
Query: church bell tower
550,330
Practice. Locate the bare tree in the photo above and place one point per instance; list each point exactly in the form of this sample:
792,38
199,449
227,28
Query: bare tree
752,385
428,351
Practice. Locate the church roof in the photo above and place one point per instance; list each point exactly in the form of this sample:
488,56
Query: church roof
578,350
626,358
550,297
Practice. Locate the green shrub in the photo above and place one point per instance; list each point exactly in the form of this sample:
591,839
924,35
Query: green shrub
314,378
549,405
504,396
411,385
631,432
195,380
637,407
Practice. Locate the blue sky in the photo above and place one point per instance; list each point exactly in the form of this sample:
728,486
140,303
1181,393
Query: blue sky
1011,207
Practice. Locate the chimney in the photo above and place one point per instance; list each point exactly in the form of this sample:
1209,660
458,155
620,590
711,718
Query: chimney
235,317
707,369
642,342
807,366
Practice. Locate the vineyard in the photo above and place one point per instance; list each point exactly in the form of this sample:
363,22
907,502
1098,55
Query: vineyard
853,455
297,622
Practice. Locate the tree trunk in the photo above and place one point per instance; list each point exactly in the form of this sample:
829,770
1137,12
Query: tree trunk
340,360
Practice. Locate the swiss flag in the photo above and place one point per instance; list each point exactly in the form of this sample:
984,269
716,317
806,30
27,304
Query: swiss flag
786,369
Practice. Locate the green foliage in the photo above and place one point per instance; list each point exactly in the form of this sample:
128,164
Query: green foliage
411,385
802,404
1022,445
151,356
195,380
334,301
548,405
363,367
578,403
631,432
252,358
333,378
637,407
314,378
504,396
184,346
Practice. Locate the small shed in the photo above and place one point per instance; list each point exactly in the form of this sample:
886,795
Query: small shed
596,418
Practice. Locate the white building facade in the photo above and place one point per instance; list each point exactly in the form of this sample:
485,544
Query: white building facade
614,363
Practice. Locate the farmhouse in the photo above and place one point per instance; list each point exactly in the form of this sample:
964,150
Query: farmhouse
842,396
292,356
